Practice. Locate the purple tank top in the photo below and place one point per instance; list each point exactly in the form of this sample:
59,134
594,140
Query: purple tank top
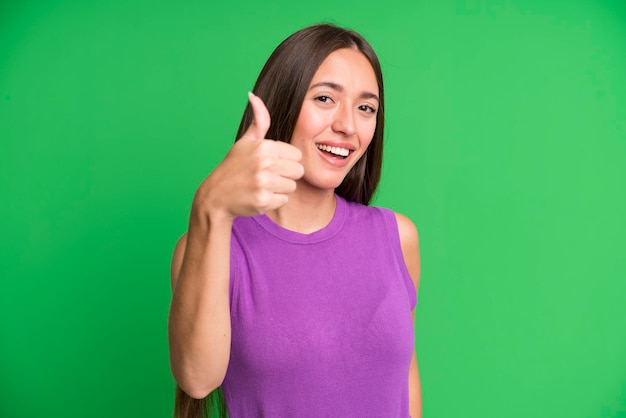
321,323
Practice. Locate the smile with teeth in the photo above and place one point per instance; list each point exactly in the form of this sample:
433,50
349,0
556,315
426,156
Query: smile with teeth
341,152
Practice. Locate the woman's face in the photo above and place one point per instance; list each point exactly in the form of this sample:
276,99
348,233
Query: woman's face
338,118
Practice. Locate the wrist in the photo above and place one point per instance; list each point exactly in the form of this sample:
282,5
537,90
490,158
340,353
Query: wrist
207,212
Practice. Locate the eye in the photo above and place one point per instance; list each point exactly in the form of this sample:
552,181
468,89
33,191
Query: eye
323,99
368,109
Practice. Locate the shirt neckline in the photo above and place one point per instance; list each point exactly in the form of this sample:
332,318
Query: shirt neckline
325,233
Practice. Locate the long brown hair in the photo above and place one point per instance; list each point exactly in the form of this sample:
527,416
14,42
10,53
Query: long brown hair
282,84
213,406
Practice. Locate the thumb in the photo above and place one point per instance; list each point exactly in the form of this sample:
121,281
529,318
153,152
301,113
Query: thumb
261,118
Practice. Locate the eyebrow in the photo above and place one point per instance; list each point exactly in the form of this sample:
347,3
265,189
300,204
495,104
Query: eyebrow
339,88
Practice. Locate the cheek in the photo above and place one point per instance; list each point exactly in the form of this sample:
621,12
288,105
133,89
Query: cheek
366,133
309,124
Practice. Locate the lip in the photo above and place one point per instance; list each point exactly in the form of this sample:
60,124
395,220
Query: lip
337,162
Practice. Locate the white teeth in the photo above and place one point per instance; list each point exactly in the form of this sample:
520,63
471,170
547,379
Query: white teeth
334,150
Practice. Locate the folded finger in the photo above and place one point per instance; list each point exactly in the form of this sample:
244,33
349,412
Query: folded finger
288,168
287,151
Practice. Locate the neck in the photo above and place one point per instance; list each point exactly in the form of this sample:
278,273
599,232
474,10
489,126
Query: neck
306,212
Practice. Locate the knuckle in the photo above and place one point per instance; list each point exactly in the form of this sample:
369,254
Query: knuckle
267,147
264,162
261,199
261,180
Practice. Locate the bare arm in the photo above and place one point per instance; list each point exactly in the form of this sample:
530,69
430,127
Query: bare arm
410,251
255,176
199,322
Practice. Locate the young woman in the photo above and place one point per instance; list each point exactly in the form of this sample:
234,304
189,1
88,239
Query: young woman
290,293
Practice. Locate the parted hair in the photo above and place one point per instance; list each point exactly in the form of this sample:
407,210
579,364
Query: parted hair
282,85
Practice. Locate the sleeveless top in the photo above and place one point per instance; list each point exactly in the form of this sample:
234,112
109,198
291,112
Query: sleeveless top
321,322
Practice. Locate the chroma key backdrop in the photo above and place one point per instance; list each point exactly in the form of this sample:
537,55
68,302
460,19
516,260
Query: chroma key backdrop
506,145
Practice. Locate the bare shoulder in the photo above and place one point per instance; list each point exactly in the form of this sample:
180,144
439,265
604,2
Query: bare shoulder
409,241
407,230
177,258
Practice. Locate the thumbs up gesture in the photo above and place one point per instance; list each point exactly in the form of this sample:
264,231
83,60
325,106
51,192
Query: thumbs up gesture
256,175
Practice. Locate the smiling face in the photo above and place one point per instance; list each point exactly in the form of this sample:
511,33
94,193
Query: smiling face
337,119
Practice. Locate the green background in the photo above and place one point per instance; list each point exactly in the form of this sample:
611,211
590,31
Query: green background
506,145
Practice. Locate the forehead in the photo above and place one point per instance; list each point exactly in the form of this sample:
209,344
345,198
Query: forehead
349,68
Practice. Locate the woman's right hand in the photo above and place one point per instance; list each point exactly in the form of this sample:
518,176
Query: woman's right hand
256,175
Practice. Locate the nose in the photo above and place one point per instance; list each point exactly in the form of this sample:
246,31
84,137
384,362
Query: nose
343,121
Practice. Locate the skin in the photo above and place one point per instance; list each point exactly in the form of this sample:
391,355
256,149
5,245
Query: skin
294,185
338,111
410,250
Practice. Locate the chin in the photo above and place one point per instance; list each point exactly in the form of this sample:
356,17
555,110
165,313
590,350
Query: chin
325,183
